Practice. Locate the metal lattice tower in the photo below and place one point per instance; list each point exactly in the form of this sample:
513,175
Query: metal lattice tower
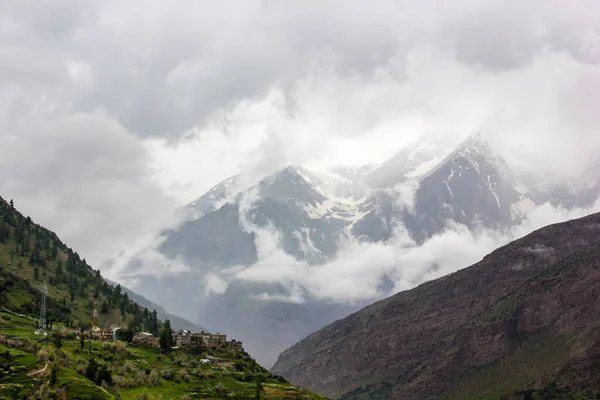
41,330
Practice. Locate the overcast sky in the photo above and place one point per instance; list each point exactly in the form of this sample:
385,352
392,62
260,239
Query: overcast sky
113,113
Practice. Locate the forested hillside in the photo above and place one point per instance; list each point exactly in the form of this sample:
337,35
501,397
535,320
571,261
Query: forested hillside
31,256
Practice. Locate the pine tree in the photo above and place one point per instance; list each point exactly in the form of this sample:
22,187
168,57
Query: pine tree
53,375
36,273
58,340
258,388
166,337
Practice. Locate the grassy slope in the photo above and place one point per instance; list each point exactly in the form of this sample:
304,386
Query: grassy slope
136,371
21,292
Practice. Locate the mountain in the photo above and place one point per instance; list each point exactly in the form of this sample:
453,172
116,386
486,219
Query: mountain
305,222
580,190
291,201
472,186
521,320
177,322
295,218
414,160
214,199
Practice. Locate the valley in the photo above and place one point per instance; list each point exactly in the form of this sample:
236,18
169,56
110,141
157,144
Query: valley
304,219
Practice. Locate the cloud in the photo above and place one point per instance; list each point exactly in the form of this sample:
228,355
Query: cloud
87,175
123,115
361,270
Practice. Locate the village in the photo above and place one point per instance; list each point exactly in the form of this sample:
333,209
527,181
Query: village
182,338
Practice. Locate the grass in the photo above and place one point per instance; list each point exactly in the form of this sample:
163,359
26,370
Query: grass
231,375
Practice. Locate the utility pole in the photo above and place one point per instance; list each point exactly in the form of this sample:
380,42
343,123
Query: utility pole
41,330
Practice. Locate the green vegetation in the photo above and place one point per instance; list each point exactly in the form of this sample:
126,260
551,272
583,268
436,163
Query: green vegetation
37,368
31,255
69,363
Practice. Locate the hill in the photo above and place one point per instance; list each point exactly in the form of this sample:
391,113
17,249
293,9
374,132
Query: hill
70,362
177,322
520,323
31,255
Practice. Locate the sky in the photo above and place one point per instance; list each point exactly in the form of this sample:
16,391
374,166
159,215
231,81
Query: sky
112,114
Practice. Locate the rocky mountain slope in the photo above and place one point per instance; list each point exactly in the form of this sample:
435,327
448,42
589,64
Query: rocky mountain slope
515,321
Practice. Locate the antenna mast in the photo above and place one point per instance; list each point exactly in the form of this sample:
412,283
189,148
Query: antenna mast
41,330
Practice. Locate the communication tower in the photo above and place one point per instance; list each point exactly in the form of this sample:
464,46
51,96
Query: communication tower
41,330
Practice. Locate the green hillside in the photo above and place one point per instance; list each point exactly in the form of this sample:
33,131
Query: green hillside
70,363
31,255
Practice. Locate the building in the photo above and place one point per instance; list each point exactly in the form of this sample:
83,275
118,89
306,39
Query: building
186,338
181,338
220,338
234,344
210,341
106,333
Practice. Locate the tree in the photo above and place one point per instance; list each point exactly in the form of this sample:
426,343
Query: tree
53,375
58,340
103,375
92,370
104,308
36,273
258,388
81,341
166,337
12,204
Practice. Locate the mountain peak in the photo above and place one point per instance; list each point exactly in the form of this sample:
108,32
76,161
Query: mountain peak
415,159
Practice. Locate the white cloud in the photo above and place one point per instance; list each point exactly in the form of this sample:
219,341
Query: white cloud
179,98
360,269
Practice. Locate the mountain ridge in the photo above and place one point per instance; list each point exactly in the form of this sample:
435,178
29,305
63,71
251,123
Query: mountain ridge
444,335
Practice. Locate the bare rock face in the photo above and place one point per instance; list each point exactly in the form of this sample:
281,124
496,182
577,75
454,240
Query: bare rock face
526,313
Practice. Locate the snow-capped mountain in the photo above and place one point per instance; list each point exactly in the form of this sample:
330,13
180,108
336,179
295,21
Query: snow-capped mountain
579,190
413,161
422,190
473,186
215,198
310,223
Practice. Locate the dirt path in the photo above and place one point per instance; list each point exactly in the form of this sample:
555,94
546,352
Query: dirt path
41,371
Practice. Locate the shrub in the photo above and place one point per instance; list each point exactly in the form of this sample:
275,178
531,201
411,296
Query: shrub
43,355
219,388
143,396
81,368
153,379
139,378
120,348
167,374
182,375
